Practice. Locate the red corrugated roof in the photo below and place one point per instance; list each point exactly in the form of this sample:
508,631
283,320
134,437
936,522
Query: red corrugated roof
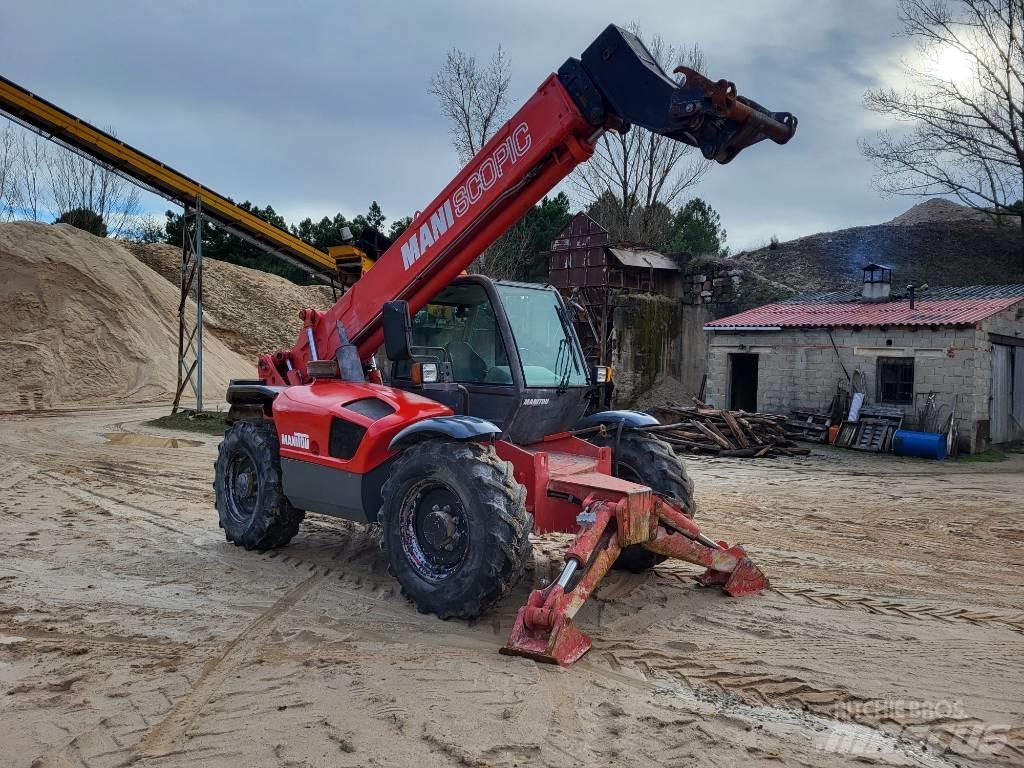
965,311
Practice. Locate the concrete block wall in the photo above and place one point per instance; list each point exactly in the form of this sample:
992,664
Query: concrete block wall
1007,323
799,369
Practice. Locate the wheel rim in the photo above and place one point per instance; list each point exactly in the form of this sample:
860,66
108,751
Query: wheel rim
243,487
434,531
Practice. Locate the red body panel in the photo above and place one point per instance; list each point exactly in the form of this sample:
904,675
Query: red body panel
303,416
537,148
536,466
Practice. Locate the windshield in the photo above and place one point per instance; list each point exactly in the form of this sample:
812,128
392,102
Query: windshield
549,353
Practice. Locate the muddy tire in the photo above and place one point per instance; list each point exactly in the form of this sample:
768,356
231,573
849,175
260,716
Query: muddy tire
455,527
642,458
253,509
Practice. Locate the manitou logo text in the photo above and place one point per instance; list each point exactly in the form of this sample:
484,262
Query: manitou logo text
486,175
296,440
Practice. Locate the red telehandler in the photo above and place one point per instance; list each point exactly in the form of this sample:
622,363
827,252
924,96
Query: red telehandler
475,439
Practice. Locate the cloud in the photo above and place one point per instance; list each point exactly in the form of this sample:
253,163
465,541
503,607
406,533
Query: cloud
322,107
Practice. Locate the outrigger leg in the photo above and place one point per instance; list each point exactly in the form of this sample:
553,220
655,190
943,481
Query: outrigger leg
544,629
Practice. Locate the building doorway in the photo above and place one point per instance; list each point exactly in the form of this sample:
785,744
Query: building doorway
1006,405
743,382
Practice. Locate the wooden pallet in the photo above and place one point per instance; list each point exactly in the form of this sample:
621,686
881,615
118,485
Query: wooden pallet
874,433
808,425
847,433
871,435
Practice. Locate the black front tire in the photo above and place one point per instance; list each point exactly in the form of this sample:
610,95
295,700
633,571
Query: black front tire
483,522
642,458
253,510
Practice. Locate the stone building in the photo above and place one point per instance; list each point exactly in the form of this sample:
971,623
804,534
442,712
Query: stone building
965,345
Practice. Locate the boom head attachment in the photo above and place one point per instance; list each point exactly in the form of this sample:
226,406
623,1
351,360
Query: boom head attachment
617,83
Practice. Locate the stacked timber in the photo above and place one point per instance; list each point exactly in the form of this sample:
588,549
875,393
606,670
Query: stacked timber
720,432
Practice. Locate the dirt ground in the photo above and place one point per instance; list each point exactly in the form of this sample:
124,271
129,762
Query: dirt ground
132,633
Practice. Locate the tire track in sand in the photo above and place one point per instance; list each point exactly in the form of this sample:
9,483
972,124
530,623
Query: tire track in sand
879,606
353,558
957,734
162,738
883,607
75,643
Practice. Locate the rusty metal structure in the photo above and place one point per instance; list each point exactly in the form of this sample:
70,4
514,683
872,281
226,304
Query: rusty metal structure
594,273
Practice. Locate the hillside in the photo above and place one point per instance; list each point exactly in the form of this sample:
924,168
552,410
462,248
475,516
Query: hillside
84,322
937,242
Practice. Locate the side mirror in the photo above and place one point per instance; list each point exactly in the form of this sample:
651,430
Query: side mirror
397,330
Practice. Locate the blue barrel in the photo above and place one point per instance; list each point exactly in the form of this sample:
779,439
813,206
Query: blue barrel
927,445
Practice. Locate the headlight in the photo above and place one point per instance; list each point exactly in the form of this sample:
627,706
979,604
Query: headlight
430,373
602,374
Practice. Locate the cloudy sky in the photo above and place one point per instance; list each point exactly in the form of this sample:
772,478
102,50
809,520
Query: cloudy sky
319,107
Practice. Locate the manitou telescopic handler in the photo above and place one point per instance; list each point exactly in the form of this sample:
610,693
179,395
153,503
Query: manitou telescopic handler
475,439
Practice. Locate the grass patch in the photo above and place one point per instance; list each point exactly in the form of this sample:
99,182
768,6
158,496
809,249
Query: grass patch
186,421
992,454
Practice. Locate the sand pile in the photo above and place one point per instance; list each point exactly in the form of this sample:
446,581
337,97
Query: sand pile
249,310
666,390
82,321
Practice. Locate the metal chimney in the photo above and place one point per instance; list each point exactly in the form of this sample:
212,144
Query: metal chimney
877,285
912,292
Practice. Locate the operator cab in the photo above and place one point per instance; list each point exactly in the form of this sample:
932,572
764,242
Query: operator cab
501,351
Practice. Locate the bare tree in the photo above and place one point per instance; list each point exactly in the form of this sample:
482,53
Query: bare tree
962,109
474,98
644,171
146,229
8,172
33,159
508,258
78,183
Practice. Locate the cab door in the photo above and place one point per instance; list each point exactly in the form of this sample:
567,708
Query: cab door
461,330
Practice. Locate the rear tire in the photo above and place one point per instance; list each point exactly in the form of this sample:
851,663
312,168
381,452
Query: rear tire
253,510
455,527
642,458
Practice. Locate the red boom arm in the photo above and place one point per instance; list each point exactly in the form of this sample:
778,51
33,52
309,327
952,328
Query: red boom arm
616,83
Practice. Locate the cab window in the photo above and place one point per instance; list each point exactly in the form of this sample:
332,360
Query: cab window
459,327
